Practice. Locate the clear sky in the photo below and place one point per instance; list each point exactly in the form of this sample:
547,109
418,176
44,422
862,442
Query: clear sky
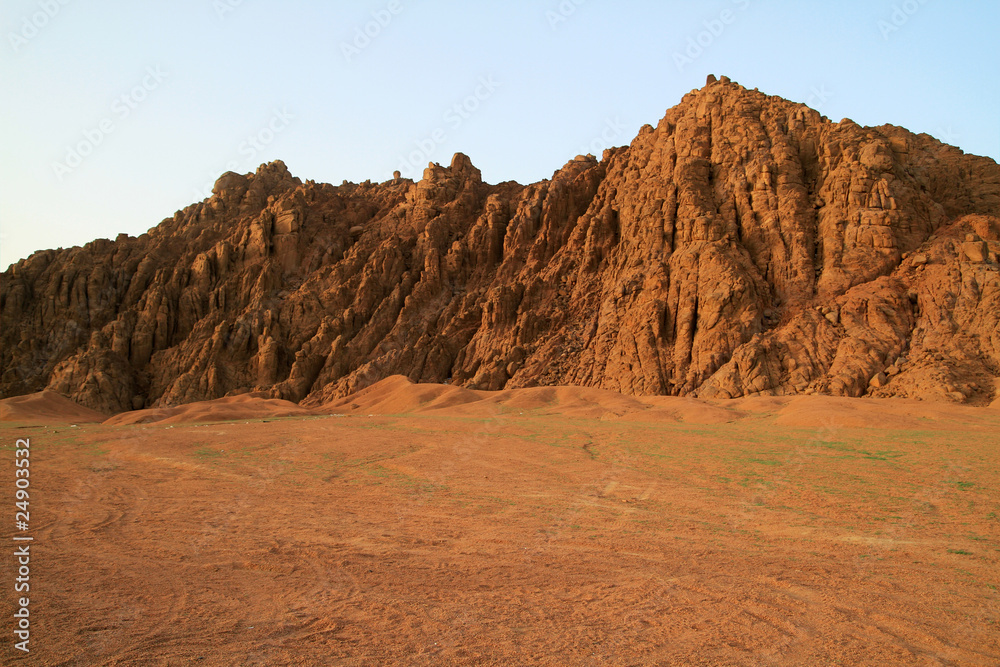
117,113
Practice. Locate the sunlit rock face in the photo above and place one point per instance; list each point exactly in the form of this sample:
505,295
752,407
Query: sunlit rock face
745,245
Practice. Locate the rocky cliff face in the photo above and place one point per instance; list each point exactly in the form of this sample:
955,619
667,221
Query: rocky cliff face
744,245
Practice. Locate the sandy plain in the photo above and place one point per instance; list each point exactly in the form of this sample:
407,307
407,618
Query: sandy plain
432,525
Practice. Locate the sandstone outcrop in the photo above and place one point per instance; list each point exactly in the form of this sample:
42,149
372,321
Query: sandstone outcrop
745,245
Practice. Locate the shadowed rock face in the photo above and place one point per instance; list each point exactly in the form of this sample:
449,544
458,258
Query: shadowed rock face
744,245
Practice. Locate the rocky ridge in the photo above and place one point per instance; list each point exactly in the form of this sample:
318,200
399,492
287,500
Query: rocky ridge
745,245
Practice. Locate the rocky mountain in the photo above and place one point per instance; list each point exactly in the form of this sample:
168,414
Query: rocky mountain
745,245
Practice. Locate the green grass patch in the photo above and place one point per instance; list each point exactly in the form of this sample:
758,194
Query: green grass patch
93,449
205,453
886,455
766,462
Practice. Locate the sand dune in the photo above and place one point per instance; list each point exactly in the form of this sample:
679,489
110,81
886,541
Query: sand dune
44,408
893,413
574,402
221,409
399,395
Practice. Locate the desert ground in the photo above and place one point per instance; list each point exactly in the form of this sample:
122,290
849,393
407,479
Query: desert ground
432,525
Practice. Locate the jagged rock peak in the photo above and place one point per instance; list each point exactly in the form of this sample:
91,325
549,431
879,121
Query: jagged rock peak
230,182
460,169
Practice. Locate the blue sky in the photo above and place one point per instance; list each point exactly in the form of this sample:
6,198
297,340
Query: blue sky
119,113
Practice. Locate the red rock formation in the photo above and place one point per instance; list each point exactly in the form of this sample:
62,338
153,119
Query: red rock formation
744,245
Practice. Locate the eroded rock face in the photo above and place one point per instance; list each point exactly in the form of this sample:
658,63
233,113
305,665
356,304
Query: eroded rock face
744,245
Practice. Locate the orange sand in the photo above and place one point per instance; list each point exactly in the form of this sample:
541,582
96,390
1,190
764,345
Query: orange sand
551,526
